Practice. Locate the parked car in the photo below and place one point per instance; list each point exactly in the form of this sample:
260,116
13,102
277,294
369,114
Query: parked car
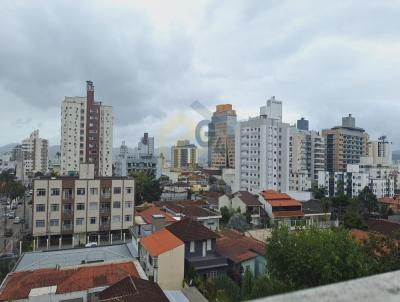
91,244
17,220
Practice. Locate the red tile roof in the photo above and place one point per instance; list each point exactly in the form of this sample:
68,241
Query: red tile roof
148,213
238,247
277,199
19,284
390,200
188,230
288,214
160,242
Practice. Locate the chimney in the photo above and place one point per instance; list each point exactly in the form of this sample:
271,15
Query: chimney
157,222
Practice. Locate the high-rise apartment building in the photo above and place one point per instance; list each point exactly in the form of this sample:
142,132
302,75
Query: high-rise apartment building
31,156
145,146
183,155
82,208
380,152
345,144
86,134
221,137
262,151
307,158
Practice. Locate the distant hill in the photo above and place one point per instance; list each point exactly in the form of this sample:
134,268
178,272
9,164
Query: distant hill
396,155
7,148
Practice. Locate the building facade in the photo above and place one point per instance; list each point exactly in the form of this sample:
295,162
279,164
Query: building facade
262,151
183,156
221,137
86,134
345,144
83,207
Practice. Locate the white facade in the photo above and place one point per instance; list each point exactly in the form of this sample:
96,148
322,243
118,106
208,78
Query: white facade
74,136
262,151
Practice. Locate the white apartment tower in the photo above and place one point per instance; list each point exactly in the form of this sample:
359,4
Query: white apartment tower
33,156
86,134
262,151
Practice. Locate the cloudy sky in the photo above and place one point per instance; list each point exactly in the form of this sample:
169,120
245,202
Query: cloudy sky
151,59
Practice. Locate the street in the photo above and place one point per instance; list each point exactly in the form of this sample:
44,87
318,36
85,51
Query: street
8,243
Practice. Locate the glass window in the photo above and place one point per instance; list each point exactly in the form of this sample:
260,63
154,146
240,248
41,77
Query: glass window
93,205
117,190
54,207
79,221
40,223
116,219
54,222
192,248
128,204
116,204
129,190
41,192
94,191
55,192
40,207
80,206
128,218
80,191
92,220
208,244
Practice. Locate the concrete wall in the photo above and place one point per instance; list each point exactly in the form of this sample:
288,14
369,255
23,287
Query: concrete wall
171,268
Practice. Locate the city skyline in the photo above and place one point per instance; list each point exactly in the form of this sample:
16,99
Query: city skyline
323,63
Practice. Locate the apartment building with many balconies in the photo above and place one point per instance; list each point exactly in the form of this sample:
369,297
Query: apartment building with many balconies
82,208
262,151
86,134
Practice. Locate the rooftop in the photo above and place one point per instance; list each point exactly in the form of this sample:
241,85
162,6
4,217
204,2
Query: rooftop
160,242
18,285
247,198
283,214
71,257
313,206
148,213
390,200
133,289
237,247
188,230
277,199
383,226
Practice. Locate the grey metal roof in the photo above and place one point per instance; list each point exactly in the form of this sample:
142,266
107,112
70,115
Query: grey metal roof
71,257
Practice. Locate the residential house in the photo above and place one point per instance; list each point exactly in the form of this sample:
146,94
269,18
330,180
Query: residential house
243,253
162,256
175,191
247,203
281,208
200,248
196,210
392,202
316,215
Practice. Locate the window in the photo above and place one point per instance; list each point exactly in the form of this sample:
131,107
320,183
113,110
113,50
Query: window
128,204
92,220
93,205
208,244
80,206
104,219
67,193
117,190
116,219
192,249
80,191
40,223
54,222
116,204
54,207
129,190
212,274
128,218
55,192
41,192
79,221
94,191
40,208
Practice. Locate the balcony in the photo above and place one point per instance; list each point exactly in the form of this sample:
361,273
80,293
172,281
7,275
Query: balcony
105,226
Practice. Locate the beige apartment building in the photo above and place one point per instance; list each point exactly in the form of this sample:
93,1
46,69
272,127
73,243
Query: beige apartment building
82,208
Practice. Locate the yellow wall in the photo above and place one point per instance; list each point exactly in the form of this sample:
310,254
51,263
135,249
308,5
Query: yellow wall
171,268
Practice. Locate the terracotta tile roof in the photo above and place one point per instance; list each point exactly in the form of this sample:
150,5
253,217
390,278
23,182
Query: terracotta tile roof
359,235
277,199
19,284
133,289
148,213
238,247
247,198
160,242
188,230
383,226
288,214
390,200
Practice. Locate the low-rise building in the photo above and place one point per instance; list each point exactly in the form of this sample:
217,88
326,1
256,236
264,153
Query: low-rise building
281,208
175,191
162,256
247,203
392,202
82,208
243,253
316,215
200,248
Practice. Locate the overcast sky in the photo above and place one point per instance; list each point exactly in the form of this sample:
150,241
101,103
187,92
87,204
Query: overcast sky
151,59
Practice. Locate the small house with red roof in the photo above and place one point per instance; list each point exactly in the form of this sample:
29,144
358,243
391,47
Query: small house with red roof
162,257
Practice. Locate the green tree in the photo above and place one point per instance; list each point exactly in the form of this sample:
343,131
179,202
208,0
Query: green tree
268,286
147,188
246,285
312,257
354,215
226,290
226,214
369,200
238,222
